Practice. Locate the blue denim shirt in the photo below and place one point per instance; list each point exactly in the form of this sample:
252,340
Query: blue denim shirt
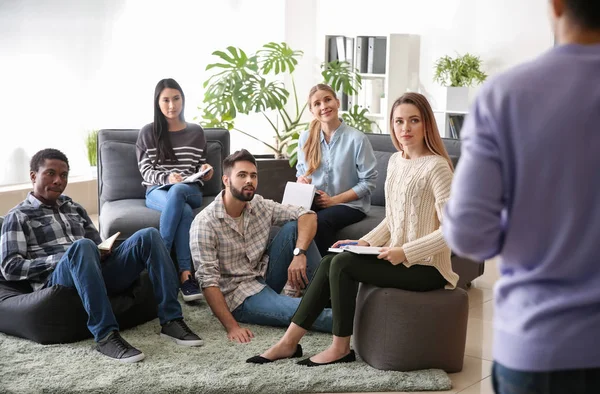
347,162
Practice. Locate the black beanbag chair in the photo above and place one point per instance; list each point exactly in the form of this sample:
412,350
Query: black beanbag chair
56,314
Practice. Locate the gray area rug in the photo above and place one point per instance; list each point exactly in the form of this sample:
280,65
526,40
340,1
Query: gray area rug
217,367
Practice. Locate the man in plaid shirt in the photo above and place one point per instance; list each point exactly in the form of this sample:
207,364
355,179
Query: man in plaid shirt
241,273
50,240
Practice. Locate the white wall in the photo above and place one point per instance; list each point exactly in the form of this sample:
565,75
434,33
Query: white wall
70,66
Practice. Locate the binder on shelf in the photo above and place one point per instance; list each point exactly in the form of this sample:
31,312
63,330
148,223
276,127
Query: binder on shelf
370,54
331,49
350,51
341,48
362,46
376,55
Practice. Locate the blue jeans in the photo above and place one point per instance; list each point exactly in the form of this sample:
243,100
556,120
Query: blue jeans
81,268
574,381
268,307
176,204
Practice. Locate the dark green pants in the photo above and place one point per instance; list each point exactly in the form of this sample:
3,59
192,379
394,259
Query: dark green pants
337,280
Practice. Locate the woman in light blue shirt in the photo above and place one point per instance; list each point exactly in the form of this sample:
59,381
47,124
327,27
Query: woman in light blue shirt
339,161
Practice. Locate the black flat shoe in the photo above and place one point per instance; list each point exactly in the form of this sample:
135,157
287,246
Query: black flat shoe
263,360
348,358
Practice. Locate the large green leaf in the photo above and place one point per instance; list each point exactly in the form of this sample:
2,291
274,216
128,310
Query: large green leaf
263,96
341,76
357,118
278,57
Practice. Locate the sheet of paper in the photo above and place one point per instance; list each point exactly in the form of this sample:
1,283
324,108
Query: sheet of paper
198,175
299,194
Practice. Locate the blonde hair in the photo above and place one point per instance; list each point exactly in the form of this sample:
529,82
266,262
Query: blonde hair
312,147
433,141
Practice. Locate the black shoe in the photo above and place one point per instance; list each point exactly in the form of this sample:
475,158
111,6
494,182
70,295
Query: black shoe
263,360
179,332
115,347
190,290
348,358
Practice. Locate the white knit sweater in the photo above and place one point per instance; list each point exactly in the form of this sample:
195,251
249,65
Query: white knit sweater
415,193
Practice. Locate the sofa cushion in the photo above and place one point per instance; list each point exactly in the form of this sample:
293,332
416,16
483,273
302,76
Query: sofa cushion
131,215
121,178
215,154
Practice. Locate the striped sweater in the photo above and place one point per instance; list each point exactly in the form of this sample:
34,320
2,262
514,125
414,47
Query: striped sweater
189,146
415,193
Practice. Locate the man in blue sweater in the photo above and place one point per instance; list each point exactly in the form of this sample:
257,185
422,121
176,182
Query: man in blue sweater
528,188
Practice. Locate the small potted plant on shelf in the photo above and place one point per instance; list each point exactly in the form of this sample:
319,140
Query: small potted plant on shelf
458,74
91,143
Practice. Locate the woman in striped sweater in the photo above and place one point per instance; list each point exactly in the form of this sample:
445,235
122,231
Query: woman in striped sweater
168,151
413,254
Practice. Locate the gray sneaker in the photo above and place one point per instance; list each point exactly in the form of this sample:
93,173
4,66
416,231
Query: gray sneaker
179,332
115,347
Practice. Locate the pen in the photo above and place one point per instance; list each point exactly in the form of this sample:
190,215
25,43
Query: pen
349,243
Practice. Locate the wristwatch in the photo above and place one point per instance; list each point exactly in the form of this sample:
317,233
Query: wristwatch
298,252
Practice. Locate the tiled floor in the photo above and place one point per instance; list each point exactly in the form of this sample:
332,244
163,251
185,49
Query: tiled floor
475,376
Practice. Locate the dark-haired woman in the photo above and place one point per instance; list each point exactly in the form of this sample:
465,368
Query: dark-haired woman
168,151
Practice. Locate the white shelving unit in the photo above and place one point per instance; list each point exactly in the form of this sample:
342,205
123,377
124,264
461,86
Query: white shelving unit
401,73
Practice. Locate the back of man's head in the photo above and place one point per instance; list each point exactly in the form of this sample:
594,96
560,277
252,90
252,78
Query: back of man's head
240,155
585,13
46,154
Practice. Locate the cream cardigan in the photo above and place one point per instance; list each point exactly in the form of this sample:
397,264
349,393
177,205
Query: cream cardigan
415,193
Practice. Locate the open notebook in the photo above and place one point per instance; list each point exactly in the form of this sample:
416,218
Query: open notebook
299,194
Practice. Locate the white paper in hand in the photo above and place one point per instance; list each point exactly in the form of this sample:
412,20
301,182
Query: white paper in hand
299,194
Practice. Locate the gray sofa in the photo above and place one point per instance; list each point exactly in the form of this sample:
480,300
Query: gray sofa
121,196
384,149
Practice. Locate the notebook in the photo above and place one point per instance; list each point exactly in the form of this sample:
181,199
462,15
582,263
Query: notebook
299,194
107,244
374,250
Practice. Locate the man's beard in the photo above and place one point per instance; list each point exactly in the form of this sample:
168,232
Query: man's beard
239,194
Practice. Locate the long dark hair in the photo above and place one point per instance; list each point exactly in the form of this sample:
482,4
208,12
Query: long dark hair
160,128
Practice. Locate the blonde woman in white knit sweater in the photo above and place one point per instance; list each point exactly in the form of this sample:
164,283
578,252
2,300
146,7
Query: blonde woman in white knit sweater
414,255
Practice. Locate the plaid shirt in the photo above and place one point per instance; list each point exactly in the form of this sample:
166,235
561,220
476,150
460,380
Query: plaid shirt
232,261
35,236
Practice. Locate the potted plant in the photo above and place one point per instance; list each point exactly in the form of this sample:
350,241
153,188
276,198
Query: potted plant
458,74
247,84
91,143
